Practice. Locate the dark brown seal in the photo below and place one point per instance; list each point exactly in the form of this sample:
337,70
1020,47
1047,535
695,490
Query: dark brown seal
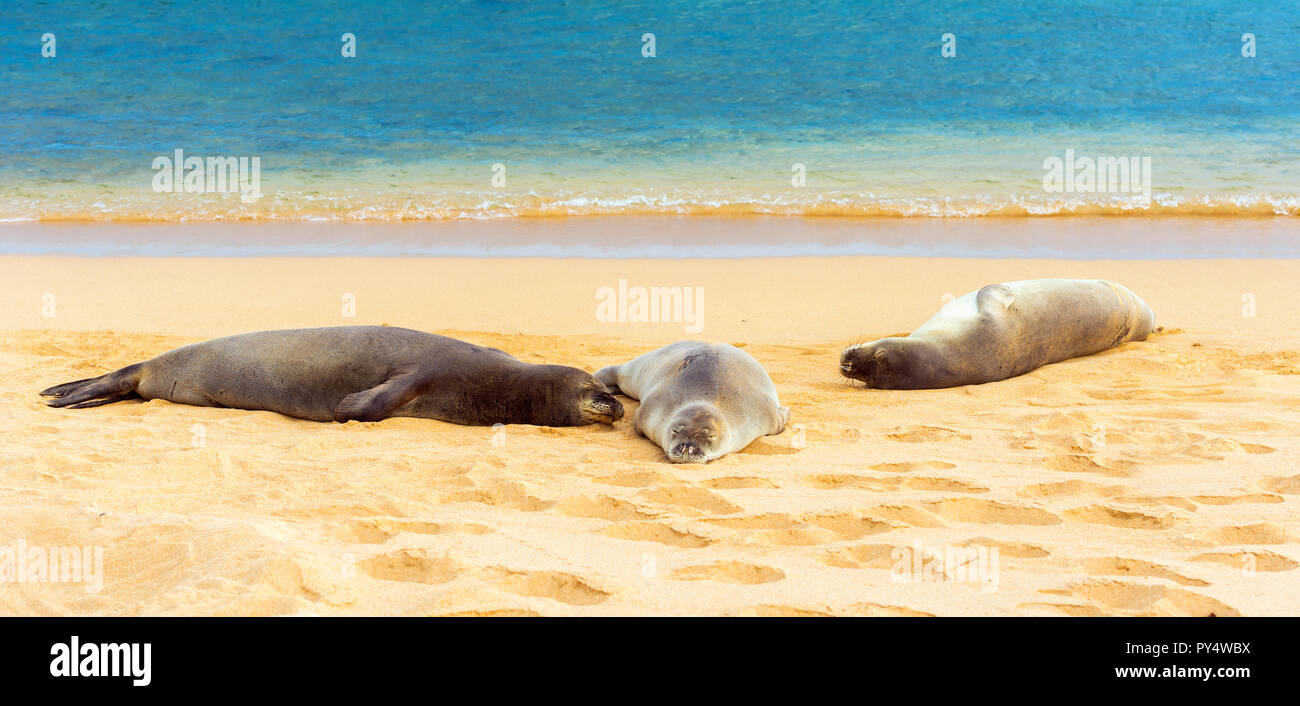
365,373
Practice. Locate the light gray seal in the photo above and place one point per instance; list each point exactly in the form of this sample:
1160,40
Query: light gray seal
1001,331
699,401
366,373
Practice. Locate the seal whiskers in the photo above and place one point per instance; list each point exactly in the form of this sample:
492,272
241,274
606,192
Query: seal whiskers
699,401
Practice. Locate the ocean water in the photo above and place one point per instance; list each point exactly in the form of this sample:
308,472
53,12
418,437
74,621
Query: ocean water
558,98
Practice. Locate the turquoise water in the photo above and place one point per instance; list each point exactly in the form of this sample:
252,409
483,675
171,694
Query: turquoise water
561,96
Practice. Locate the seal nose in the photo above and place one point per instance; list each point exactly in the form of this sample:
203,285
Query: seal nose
686,452
603,407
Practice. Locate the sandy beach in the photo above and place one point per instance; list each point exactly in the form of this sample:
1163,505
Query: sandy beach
1158,478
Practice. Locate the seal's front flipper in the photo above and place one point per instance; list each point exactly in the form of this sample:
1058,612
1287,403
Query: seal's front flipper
994,298
379,401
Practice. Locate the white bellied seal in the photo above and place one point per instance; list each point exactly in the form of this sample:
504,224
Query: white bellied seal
699,401
365,373
1001,331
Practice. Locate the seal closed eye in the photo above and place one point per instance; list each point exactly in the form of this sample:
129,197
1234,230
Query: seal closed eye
363,373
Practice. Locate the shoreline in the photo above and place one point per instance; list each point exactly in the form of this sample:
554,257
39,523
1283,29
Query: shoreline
678,237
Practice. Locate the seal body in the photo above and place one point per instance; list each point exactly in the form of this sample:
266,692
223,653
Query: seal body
1001,331
699,401
365,373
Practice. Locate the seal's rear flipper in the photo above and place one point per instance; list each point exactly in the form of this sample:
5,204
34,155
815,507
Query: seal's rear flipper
65,388
379,401
107,400
608,376
113,387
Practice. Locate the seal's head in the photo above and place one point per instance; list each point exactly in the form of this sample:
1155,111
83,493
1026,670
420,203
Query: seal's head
894,364
564,396
695,434
598,405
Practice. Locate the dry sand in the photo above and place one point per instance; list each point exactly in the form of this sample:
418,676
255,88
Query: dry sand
1155,479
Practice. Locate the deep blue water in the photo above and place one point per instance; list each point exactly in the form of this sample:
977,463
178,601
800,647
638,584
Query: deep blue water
561,93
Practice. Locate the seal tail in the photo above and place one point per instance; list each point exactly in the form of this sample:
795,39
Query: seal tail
93,392
608,376
65,388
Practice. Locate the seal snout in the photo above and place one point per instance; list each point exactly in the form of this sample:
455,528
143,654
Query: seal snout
846,364
687,452
600,406
696,434
856,363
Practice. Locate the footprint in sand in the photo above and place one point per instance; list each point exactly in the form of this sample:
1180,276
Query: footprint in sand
1137,599
410,565
1105,515
1069,487
1088,463
507,494
1148,393
907,515
738,482
377,530
991,512
603,507
1259,560
1289,485
849,525
1237,499
1017,550
555,585
781,611
729,572
861,556
643,478
920,434
855,610
910,466
490,613
766,521
834,481
656,532
792,537
767,447
693,498
1115,493
1117,566
876,610
1261,533
944,485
